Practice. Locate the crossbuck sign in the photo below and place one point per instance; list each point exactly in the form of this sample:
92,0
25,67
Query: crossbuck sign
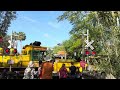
89,44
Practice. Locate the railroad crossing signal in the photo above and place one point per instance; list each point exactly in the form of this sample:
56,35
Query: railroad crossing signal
93,53
7,51
10,51
15,51
87,52
10,44
89,44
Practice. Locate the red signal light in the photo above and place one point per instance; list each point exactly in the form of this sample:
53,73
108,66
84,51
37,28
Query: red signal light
87,52
7,51
15,51
93,52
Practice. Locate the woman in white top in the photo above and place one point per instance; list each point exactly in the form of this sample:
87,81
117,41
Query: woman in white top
29,71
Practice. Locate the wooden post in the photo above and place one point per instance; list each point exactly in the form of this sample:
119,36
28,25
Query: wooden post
65,56
10,67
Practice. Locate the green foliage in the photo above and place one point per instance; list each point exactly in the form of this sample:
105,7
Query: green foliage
56,49
103,29
6,18
49,52
19,36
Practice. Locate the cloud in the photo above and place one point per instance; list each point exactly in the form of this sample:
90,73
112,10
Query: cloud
54,24
46,35
29,19
50,37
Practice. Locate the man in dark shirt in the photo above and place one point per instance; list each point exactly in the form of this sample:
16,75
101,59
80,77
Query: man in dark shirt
72,70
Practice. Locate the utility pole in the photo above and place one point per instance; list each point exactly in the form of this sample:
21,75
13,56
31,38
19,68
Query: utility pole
87,47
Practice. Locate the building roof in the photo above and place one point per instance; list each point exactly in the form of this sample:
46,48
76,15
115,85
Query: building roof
62,52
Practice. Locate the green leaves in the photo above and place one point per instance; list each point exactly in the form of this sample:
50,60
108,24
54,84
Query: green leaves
103,29
56,49
5,20
19,36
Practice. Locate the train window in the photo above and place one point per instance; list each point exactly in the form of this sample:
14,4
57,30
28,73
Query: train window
24,52
37,55
29,52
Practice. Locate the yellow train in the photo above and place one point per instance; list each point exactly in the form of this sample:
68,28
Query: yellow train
29,53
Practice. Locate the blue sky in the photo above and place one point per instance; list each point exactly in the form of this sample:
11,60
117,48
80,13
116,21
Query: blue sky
41,26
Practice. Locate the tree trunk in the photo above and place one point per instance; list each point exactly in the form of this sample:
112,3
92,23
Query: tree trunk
21,50
21,44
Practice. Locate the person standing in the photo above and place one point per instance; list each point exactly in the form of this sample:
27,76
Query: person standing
63,73
47,68
40,70
73,71
29,71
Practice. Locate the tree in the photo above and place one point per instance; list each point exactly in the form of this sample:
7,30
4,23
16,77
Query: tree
103,29
5,20
49,52
15,36
73,45
21,37
58,48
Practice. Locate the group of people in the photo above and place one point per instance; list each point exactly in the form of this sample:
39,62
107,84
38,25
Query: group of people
45,70
74,72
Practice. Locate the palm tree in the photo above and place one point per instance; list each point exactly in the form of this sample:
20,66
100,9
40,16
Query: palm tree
15,38
21,37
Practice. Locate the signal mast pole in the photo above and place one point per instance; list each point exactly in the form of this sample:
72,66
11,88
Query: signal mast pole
87,47
87,41
11,47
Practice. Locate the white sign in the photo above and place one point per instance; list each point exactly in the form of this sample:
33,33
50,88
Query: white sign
10,44
15,44
10,61
89,44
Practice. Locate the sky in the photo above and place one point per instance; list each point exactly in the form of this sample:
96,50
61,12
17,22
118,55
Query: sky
41,26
